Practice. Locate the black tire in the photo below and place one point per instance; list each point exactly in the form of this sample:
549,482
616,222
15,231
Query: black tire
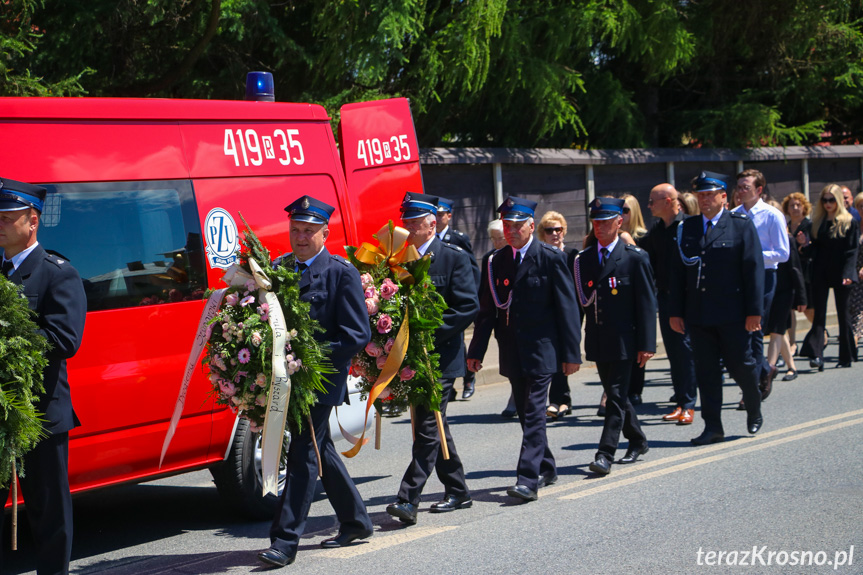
239,479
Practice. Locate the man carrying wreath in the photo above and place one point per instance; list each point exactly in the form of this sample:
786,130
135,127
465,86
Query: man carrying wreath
527,298
452,274
333,289
55,292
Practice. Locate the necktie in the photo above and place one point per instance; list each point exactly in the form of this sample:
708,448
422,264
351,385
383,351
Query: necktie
517,258
709,227
604,252
7,267
302,267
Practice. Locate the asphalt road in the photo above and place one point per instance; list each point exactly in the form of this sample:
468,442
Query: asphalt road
795,490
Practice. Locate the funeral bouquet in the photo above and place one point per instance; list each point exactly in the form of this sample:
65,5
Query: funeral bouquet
22,362
239,354
399,364
260,350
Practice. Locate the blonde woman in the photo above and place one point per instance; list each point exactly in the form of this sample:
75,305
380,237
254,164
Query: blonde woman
552,230
857,290
633,220
833,248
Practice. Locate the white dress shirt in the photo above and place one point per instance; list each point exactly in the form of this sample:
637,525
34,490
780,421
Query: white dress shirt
772,232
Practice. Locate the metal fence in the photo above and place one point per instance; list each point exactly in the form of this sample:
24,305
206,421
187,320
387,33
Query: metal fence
567,180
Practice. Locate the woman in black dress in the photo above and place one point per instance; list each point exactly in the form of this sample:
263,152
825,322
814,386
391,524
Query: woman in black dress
796,207
833,249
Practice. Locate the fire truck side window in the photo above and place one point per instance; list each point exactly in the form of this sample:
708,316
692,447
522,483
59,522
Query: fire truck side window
134,243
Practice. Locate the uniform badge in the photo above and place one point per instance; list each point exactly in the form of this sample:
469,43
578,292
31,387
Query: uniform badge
612,281
510,202
596,203
305,203
506,282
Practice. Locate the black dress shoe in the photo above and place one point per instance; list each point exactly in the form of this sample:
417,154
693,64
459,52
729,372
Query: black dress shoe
508,413
600,465
345,538
546,479
844,364
451,503
790,376
600,411
741,406
817,362
633,453
273,556
522,492
708,437
754,425
635,399
468,391
404,511
766,384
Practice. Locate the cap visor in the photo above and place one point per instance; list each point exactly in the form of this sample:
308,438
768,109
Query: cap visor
411,214
12,205
307,218
516,217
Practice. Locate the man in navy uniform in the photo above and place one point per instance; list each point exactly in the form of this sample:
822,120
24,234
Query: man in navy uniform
452,275
333,289
452,236
55,292
528,299
717,286
615,286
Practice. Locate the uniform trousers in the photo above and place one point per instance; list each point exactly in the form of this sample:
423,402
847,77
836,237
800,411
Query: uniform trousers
730,342
758,336
45,487
680,357
620,415
558,391
428,455
535,458
289,524
813,345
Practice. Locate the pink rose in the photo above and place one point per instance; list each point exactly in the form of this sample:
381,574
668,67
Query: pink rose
388,346
406,373
381,361
372,305
264,310
367,280
257,339
385,323
373,349
227,388
370,292
232,298
388,289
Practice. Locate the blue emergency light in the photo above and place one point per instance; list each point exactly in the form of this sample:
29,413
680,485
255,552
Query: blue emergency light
259,87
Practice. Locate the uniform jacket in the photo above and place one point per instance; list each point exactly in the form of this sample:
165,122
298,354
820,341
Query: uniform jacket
457,238
732,272
452,274
55,292
623,321
543,330
333,289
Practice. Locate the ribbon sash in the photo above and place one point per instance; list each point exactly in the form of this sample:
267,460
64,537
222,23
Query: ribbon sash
391,368
211,308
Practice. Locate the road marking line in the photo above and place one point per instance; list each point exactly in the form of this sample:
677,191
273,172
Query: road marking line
701,451
390,540
683,466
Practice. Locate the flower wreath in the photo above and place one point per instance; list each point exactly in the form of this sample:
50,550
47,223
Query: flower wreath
240,343
404,311
22,363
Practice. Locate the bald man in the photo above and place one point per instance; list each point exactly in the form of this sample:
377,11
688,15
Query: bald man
661,245
849,203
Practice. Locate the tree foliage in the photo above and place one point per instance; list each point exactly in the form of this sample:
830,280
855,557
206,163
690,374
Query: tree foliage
567,73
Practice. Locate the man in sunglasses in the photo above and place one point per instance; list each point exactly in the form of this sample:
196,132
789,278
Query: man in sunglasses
718,286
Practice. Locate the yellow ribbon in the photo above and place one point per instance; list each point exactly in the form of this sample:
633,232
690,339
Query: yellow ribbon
391,368
393,249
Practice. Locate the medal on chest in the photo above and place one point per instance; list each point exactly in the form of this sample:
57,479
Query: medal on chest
612,282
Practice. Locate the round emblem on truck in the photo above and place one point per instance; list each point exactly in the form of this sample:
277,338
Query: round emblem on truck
222,237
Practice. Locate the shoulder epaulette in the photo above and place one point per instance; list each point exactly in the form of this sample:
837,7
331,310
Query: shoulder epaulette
549,247
634,248
340,259
740,215
453,247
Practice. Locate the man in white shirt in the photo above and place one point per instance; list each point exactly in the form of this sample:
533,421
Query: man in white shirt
773,233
